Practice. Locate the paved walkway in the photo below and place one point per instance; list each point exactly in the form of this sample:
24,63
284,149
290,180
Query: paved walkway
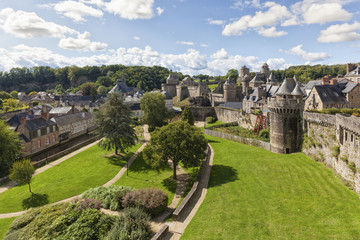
177,228
113,180
49,165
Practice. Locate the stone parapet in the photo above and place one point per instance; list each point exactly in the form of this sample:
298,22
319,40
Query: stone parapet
322,119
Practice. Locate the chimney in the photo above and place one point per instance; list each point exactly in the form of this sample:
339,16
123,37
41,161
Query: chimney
333,81
350,67
21,127
325,80
72,109
45,112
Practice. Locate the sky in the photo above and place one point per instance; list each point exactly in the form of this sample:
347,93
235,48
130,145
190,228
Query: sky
191,36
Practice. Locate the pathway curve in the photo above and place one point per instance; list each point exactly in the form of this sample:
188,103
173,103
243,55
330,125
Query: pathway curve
11,184
113,180
177,228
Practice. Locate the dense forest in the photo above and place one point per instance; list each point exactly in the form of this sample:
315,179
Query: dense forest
73,78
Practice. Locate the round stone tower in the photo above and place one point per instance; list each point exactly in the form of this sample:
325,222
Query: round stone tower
229,90
285,118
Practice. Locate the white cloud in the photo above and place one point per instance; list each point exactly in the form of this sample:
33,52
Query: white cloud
131,9
275,14
327,12
308,56
215,22
82,43
76,10
340,33
136,38
239,4
203,45
189,43
159,11
190,62
271,32
30,25
221,54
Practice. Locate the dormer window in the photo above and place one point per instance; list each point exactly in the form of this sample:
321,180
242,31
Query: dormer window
38,132
336,94
324,94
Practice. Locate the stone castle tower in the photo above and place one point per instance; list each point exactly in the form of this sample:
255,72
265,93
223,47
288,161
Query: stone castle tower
285,119
229,90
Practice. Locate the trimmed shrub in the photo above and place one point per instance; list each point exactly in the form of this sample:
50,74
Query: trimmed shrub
89,203
154,201
110,197
133,224
210,120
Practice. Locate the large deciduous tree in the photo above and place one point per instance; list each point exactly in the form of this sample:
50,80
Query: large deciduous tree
10,148
22,172
155,111
233,74
178,142
114,121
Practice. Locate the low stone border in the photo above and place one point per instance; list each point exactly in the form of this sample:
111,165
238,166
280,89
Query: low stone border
162,233
176,214
249,141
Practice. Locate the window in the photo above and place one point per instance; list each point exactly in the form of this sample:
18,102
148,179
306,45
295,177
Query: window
48,130
54,128
54,138
47,140
39,143
324,94
336,94
38,132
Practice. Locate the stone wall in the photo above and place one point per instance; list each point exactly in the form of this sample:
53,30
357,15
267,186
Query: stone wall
201,113
249,141
334,140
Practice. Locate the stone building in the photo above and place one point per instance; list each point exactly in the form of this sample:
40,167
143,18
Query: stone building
226,92
189,88
285,119
353,72
170,86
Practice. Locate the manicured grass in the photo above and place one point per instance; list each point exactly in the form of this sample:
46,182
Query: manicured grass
243,132
256,194
143,176
213,124
4,226
85,170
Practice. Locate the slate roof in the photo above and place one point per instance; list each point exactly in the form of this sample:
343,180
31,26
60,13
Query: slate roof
354,72
297,91
234,105
256,79
349,87
38,123
60,110
121,86
219,88
15,120
330,94
71,118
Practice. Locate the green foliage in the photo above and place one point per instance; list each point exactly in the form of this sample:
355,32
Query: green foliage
155,111
89,89
110,197
10,148
102,90
22,172
4,95
233,74
152,200
104,81
59,89
187,116
14,94
32,93
344,158
12,105
210,120
179,142
264,135
133,224
35,103
335,151
114,124
352,166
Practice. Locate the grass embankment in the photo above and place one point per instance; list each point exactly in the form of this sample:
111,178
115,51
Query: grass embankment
256,194
4,226
213,124
143,176
243,132
90,168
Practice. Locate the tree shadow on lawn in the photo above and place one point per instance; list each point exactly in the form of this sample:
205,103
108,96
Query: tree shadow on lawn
35,200
212,141
139,165
119,160
169,184
221,174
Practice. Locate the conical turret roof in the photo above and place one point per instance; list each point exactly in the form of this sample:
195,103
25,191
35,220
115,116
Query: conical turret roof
229,81
284,88
297,90
256,79
271,78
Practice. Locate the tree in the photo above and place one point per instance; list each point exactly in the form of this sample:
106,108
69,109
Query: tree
10,148
104,81
89,89
114,121
178,142
102,90
14,94
4,95
22,172
187,116
233,74
155,111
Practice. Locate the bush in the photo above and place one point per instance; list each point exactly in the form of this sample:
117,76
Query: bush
264,133
335,151
110,197
154,201
352,166
210,120
89,203
133,224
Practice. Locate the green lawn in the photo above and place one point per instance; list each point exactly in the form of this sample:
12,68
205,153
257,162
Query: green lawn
143,176
256,194
213,124
87,169
4,226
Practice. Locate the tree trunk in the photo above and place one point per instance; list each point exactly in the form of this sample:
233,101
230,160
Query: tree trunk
29,187
174,170
116,151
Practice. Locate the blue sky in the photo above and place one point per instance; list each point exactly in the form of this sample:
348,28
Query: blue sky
192,36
